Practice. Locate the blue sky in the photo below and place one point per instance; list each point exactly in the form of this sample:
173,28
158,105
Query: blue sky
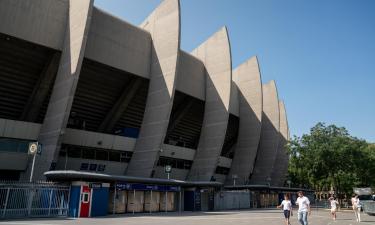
321,53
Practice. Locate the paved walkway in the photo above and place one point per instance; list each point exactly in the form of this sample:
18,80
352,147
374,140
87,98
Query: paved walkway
248,217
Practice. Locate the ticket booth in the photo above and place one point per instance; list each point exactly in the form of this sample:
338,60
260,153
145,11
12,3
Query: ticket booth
87,199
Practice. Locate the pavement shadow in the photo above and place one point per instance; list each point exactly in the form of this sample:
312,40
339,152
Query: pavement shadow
169,214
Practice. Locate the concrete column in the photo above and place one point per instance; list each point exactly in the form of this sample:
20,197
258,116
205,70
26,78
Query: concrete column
216,56
280,167
53,127
269,138
164,26
247,77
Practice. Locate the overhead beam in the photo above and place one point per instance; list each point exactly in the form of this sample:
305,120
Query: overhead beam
34,104
122,103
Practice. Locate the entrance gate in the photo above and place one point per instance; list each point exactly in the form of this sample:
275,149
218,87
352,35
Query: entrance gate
43,199
144,198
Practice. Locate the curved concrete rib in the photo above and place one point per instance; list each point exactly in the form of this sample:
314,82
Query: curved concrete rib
164,26
269,137
234,104
248,80
60,103
191,76
216,56
280,167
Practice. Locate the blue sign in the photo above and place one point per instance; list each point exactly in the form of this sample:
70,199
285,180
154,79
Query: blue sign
173,188
128,132
93,167
101,167
147,187
95,185
84,166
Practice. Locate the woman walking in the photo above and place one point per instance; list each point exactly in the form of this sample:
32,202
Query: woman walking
334,204
286,204
356,207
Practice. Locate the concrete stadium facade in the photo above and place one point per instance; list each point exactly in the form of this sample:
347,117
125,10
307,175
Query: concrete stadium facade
102,95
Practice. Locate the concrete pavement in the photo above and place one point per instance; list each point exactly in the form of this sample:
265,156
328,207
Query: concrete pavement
253,217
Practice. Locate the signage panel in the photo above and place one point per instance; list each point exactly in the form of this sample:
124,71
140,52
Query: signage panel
147,187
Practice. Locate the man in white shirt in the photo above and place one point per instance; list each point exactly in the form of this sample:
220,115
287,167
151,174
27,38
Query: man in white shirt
303,208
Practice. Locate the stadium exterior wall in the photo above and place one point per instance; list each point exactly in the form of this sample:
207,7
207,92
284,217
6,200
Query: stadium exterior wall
78,31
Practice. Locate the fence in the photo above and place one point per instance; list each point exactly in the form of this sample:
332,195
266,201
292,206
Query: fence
41,199
324,203
225,200
368,207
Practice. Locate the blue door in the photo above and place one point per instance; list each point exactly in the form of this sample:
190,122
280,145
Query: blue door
99,205
189,200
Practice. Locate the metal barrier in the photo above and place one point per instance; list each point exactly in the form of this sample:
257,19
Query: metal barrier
228,200
368,207
40,199
322,203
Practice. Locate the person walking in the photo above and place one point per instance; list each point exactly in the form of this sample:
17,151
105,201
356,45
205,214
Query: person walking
356,207
286,204
334,204
303,208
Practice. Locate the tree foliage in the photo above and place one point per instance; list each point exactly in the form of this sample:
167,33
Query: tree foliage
330,157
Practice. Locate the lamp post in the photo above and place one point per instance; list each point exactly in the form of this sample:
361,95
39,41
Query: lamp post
288,182
269,181
168,170
234,177
33,149
269,191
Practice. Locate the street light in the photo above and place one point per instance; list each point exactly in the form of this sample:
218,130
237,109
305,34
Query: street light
34,149
168,170
269,181
269,187
234,177
288,182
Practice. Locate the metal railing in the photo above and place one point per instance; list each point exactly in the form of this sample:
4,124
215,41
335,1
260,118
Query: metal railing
368,207
39,199
324,203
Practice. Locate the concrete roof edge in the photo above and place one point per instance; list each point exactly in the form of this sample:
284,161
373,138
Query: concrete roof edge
80,175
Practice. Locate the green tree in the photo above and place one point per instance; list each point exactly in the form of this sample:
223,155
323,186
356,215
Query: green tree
330,157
